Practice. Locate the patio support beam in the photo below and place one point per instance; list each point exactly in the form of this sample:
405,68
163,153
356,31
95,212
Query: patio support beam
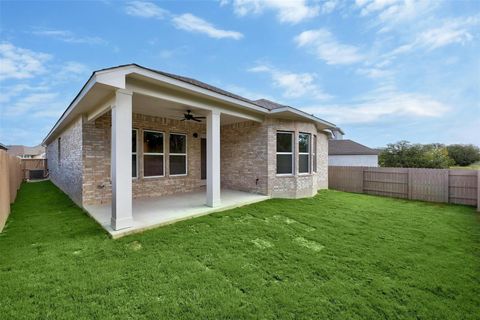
121,160
213,158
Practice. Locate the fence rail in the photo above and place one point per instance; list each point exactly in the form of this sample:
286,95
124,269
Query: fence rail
11,176
435,185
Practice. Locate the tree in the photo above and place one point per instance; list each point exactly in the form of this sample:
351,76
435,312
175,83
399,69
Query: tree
464,154
406,155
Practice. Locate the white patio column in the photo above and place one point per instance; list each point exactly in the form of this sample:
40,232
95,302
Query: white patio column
213,158
121,161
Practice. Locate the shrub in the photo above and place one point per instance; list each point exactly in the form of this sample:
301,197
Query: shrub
464,154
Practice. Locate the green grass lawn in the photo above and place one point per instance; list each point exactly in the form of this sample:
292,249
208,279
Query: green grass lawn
337,255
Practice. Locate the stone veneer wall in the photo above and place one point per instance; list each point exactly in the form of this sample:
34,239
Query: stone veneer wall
97,135
244,157
67,174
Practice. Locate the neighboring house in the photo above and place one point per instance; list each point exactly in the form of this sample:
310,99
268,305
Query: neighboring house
128,135
350,153
3,147
24,152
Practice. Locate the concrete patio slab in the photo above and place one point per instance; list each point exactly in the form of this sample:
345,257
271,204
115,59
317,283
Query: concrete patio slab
150,213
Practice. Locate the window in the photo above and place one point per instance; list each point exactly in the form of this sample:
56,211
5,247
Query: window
59,151
284,152
134,153
314,153
153,154
303,153
178,154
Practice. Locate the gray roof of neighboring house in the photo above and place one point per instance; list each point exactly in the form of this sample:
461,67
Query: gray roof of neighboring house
19,150
349,147
3,147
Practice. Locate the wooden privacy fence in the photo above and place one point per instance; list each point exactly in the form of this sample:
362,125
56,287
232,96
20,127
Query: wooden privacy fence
33,164
11,176
435,185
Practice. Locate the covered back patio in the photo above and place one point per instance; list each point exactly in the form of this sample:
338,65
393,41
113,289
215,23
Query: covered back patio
158,211
135,205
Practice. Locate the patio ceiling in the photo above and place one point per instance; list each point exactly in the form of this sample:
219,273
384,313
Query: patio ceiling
157,107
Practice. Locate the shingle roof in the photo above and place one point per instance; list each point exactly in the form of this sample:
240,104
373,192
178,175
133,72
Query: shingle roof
349,147
270,105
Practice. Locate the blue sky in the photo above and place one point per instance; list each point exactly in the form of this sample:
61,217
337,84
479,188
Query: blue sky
383,70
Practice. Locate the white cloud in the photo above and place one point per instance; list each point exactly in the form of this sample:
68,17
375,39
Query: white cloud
390,13
19,63
145,10
381,104
374,73
191,23
324,45
247,93
329,6
32,103
186,21
7,93
454,31
289,11
294,85
450,32
69,37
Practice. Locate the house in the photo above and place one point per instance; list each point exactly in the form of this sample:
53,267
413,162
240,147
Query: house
24,152
139,147
345,152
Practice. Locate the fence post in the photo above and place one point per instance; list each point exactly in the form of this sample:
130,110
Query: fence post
446,181
478,190
409,183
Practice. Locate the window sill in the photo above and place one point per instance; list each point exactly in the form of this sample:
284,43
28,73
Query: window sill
284,175
153,177
178,175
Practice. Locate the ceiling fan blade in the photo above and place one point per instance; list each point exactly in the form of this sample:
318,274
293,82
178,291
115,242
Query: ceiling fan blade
195,119
201,117
183,119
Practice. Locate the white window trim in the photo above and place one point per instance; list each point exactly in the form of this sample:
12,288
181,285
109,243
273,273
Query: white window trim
314,154
308,153
178,154
153,154
292,153
136,154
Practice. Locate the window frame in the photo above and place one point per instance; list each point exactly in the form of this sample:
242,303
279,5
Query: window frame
308,153
178,154
314,154
136,154
292,153
153,154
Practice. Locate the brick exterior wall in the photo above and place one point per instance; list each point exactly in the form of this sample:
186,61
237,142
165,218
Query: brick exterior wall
296,186
66,170
248,159
97,135
244,157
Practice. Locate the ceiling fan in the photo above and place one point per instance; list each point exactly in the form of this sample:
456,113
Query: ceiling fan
190,116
